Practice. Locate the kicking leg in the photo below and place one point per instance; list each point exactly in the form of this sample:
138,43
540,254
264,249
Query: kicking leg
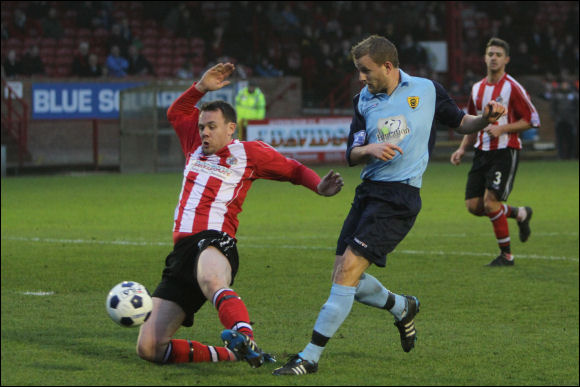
155,344
214,275
348,269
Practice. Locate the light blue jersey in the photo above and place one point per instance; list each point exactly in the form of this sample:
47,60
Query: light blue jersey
404,118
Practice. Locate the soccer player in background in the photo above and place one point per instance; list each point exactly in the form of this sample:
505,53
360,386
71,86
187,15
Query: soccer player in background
203,264
393,121
497,149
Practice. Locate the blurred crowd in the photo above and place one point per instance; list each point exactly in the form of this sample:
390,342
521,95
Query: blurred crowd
271,39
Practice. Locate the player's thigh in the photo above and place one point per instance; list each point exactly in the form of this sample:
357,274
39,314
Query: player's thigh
476,178
166,318
214,271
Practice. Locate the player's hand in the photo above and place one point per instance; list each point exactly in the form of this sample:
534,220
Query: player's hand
330,184
457,156
216,77
384,151
494,131
493,111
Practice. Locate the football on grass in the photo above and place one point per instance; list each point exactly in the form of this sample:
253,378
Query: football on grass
129,304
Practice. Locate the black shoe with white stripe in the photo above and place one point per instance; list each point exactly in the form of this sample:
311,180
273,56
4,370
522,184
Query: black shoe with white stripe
296,366
406,325
501,260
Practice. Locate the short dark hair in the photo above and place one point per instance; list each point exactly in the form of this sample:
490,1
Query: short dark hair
380,50
227,110
499,43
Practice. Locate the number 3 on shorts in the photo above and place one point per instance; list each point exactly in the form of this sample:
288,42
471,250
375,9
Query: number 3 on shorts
497,180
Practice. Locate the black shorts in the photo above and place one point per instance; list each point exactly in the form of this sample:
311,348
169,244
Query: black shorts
382,213
494,170
179,279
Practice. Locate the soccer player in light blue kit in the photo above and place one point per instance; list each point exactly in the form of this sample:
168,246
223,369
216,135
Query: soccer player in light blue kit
392,132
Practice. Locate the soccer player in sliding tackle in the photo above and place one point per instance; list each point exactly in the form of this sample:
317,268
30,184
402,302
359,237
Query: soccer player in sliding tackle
203,264
497,149
390,133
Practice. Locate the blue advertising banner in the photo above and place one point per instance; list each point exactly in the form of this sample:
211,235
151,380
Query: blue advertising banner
55,101
84,100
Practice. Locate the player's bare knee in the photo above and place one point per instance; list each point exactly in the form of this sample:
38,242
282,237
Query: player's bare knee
475,207
209,284
151,349
491,206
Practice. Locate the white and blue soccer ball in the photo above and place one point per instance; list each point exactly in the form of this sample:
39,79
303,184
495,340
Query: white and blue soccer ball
129,304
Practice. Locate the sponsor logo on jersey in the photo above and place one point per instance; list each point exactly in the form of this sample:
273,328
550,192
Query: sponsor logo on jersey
392,130
215,170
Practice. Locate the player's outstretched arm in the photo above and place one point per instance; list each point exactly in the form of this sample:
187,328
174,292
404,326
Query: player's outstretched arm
491,113
215,77
330,184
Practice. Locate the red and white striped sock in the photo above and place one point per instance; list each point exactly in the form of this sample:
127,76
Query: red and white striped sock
501,230
187,351
232,312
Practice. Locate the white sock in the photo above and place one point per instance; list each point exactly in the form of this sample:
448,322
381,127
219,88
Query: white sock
522,214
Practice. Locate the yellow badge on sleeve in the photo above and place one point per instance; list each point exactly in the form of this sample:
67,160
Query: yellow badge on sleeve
413,102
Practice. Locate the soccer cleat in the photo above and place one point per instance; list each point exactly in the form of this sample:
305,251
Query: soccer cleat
501,260
407,324
296,366
245,348
525,225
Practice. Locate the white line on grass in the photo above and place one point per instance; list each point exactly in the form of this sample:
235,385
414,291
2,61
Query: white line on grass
37,293
299,247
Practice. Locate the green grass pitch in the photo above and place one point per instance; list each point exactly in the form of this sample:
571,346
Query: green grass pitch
66,240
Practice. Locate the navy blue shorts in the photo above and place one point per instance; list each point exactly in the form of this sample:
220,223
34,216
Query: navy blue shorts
382,213
179,280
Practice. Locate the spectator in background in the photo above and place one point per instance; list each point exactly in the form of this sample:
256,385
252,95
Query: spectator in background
522,62
11,66
138,64
117,66
185,71
19,23
85,14
412,54
51,26
250,105
116,38
31,63
564,106
125,30
80,66
266,69
94,69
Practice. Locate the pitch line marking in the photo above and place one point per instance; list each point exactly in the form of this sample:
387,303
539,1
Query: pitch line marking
37,293
300,247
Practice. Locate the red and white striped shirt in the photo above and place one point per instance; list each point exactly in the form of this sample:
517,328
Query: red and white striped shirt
214,186
514,98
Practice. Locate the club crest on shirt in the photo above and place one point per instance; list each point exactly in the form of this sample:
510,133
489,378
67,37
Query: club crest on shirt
413,102
231,160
